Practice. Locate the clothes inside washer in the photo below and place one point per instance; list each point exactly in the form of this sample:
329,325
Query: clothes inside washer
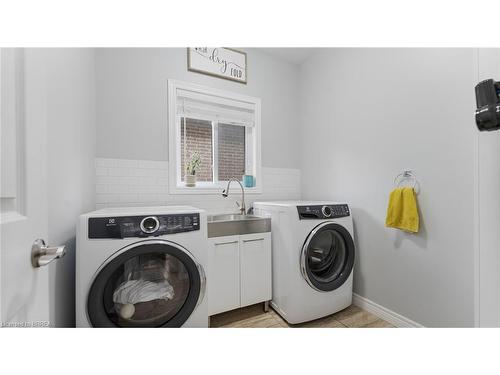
149,289
135,291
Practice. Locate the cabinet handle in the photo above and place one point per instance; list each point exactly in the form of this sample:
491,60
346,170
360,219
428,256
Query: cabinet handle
253,240
225,243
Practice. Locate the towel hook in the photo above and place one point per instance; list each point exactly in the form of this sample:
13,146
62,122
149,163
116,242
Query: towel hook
406,174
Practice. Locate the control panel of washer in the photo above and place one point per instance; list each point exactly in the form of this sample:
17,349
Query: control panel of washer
142,226
328,211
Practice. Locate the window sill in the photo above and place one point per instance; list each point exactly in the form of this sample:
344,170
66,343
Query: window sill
214,190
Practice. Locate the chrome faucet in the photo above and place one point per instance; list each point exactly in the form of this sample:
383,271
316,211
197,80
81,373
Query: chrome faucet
225,193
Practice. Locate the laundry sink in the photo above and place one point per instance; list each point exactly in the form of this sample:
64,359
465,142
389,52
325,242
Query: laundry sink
232,217
235,224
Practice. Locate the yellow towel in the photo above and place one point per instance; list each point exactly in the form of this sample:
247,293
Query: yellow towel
402,212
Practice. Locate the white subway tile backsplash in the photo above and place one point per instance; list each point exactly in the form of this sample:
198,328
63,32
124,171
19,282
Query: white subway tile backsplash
163,181
146,180
146,188
114,198
147,197
118,171
163,197
125,163
101,171
102,198
118,188
104,180
136,188
101,188
152,164
125,182
101,162
141,172
124,198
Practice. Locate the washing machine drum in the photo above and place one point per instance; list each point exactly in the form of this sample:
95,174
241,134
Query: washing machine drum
148,284
327,257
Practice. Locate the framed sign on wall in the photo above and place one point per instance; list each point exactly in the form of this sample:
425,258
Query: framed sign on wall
219,62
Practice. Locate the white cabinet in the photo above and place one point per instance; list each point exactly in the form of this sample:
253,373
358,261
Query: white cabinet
255,268
239,272
223,281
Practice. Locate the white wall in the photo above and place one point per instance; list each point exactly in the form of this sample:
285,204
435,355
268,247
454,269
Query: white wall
132,102
367,114
70,165
131,109
488,66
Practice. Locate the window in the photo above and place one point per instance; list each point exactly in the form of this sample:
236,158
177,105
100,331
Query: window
231,152
196,136
221,127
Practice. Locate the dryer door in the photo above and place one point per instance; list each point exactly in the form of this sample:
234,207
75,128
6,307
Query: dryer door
153,283
327,257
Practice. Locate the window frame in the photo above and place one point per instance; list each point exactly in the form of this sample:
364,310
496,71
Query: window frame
252,149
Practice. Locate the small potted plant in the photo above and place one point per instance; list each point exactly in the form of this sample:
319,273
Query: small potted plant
191,167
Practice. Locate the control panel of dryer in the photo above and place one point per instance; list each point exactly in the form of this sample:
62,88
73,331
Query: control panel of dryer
142,226
328,211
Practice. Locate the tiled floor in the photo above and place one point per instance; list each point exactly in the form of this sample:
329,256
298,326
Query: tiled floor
255,317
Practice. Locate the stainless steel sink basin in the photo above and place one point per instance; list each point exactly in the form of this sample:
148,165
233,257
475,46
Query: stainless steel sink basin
232,217
236,224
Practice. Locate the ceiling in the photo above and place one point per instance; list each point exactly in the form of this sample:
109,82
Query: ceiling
292,55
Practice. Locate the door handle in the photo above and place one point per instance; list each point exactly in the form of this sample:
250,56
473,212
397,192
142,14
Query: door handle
41,254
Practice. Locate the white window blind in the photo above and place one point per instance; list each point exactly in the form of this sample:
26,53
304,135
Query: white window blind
214,108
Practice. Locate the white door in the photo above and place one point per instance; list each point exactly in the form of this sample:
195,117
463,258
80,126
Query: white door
24,299
488,66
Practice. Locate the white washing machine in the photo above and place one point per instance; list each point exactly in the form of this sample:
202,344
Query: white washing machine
142,267
313,258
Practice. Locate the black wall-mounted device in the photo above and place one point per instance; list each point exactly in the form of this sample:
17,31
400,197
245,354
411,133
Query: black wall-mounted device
488,105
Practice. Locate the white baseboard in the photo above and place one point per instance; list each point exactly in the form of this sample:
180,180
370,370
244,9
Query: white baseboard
383,313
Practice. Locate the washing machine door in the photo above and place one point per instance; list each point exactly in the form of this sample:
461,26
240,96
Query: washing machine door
327,257
152,283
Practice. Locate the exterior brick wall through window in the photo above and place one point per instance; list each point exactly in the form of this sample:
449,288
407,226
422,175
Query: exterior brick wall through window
231,151
230,145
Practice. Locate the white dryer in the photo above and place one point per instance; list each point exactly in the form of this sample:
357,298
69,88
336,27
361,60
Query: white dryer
142,267
313,258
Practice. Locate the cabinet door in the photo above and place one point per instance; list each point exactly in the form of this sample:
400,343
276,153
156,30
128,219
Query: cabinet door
223,280
255,268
